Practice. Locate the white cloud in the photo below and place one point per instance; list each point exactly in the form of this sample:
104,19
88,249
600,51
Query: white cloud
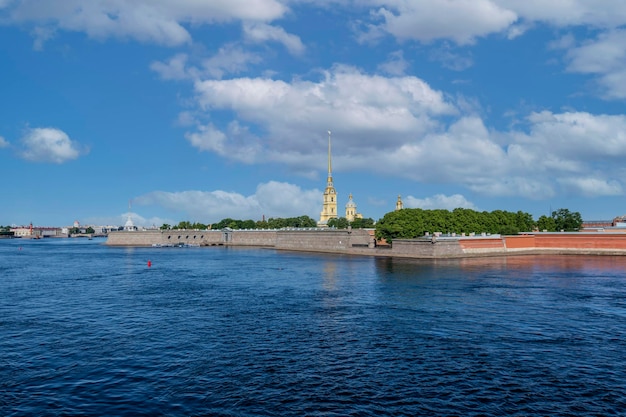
561,13
49,145
395,65
439,201
230,59
605,57
238,143
463,21
591,187
426,20
262,32
3,143
272,199
399,126
364,111
208,138
173,69
158,21
578,135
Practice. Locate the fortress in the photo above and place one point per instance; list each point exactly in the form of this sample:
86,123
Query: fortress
363,241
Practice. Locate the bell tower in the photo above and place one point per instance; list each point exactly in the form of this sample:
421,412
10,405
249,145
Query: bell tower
399,205
329,209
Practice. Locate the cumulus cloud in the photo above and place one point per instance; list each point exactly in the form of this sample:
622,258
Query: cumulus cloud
604,57
49,145
3,142
364,111
399,126
426,20
262,32
157,21
271,199
166,21
464,21
591,187
439,201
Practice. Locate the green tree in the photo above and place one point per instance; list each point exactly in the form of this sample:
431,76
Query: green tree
546,223
524,221
248,224
365,223
338,223
412,223
90,230
566,220
165,226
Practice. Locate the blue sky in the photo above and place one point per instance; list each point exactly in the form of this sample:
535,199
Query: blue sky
202,110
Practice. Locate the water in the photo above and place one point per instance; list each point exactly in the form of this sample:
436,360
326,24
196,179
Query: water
87,329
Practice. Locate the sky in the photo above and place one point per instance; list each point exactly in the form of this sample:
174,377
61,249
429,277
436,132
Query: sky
200,110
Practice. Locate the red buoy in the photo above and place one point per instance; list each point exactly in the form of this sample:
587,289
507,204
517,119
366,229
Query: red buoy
149,264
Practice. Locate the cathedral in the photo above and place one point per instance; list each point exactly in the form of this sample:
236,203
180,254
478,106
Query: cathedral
329,208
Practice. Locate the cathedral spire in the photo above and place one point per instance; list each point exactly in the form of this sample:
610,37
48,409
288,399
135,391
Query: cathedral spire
330,167
329,209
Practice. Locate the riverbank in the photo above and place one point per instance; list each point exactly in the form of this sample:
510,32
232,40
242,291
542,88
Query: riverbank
362,242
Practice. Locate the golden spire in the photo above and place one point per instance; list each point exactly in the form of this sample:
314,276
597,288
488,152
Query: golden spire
330,174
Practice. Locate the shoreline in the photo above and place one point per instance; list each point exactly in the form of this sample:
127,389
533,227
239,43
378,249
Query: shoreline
361,242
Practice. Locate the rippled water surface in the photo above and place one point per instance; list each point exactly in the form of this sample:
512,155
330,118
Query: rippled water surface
87,329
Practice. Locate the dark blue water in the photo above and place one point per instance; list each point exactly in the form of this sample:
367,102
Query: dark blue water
87,329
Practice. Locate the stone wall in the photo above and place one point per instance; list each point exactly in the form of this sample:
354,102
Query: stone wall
250,237
482,245
422,248
164,237
322,240
361,242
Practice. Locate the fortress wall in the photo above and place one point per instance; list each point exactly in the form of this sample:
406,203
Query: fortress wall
136,238
163,237
251,237
580,241
425,248
359,242
193,237
329,240
519,242
481,245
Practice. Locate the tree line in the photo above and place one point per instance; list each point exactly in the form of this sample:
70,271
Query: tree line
410,223
271,223
414,222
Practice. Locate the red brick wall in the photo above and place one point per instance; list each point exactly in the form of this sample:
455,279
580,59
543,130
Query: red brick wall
495,243
519,242
582,241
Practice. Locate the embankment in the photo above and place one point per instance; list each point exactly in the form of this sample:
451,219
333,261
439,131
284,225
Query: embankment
361,242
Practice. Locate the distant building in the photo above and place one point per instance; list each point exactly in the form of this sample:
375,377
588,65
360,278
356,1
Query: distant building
129,226
25,231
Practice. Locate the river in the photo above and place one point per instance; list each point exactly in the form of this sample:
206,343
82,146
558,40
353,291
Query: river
87,329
